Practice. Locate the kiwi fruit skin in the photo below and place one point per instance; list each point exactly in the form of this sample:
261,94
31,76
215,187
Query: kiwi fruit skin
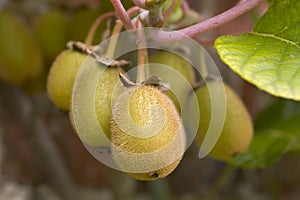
140,101
237,131
181,66
62,76
20,57
107,86
51,31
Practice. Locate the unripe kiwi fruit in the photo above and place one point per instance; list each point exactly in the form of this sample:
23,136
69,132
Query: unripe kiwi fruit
62,76
20,57
147,133
178,64
237,131
104,84
51,31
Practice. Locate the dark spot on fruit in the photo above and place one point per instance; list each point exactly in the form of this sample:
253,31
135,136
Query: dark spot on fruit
154,175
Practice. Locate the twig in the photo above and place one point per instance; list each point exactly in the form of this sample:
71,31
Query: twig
185,6
241,8
123,15
90,37
114,39
142,53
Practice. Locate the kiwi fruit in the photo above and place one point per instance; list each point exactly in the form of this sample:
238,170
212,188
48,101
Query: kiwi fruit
178,66
237,130
20,57
51,31
62,76
147,133
94,90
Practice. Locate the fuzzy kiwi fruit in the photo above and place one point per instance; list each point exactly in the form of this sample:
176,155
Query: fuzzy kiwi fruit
92,97
147,133
237,129
179,66
52,33
20,57
62,76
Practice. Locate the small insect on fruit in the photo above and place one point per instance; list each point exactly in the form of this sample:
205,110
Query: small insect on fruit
147,133
237,130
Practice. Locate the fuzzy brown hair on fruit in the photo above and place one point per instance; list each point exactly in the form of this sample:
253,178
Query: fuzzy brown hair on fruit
147,133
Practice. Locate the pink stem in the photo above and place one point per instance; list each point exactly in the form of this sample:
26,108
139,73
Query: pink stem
185,6
123,15
241,8
90,37
132,10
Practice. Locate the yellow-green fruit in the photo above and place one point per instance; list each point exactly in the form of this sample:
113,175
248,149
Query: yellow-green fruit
94,89
103,100
62,76
147,132
52,33
180,76
20,57
237,130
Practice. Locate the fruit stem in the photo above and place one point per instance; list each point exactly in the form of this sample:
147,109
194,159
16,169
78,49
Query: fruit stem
123,15
185,6
142,53
116,30
91,34
192,31
113,40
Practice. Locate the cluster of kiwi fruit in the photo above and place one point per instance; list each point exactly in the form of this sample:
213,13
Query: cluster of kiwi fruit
30,41
143,122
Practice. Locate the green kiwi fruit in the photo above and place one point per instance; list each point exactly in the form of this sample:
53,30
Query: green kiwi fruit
92,97
147,133
181,67
237,129
62,76
51,31
20,57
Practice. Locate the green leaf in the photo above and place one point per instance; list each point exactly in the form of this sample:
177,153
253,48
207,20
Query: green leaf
269,57
266,148
277,113
270,144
